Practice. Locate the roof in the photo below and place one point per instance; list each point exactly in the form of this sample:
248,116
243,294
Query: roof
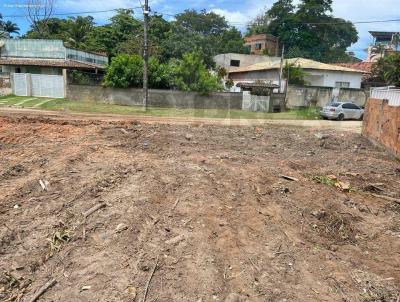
303,63
252,85
383,34
50,63
366,67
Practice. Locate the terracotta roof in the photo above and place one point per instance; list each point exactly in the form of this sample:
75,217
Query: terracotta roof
303,63
362,66
50,63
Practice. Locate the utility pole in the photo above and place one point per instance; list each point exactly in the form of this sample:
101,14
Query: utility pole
281,69
146,55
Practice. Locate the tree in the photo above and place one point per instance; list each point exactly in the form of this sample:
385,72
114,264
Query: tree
124,71
10,28
38,13
191,74
77,30
387,69
127,71
309,31
294,73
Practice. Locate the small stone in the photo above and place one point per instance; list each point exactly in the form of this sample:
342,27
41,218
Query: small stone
333,248
233,298
16,206
121,227
188,136
318,214
86,287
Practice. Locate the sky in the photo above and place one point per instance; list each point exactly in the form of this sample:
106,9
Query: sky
237,12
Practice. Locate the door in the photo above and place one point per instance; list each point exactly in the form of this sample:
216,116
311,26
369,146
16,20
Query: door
347,111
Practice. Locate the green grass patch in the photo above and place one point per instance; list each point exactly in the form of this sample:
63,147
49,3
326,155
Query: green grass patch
92,107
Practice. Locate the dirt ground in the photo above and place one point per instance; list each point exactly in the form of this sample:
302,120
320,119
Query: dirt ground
195,213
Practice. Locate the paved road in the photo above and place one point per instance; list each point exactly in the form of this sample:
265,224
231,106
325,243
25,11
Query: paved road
353,126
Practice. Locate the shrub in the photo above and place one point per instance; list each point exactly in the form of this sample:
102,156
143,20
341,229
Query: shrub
124,71
191,74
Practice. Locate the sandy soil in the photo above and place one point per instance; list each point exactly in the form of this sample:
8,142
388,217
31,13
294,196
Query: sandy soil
195,213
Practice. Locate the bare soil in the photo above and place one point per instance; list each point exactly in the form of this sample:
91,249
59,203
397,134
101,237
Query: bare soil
195,213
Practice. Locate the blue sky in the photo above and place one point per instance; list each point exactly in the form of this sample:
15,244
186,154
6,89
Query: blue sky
238,12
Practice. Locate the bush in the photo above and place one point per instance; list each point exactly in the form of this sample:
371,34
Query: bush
127,71
124,71
191,74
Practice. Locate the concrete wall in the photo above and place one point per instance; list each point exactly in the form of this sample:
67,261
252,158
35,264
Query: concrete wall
157,98
382,124
305,96
5,91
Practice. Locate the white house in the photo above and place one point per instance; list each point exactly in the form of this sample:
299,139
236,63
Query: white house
317,74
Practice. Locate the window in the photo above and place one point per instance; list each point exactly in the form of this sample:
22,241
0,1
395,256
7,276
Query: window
235,63
342,85
258,46
350,106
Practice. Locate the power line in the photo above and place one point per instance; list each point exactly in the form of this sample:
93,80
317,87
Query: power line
75,13
305,23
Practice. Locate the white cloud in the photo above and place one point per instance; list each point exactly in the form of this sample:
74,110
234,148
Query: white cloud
232,16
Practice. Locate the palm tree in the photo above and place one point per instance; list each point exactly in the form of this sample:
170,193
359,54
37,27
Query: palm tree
10,28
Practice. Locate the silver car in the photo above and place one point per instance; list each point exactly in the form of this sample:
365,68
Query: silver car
342,111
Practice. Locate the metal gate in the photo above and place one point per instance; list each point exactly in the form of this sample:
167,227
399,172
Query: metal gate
20,84
44,85
38,85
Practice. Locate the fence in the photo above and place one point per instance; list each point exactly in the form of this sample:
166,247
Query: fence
76,77
387,93
157,97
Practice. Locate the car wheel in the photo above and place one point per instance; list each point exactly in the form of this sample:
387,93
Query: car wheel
340,117
361,117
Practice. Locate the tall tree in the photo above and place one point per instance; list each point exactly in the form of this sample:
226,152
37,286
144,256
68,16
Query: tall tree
387,69
77,30
38,13
309,30
10,28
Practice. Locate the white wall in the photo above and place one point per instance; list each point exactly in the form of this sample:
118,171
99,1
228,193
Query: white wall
329,78
315,77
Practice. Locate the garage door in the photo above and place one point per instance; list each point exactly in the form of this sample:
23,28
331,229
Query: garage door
44,85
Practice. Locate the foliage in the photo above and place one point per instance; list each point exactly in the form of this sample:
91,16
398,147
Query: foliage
124,71
294,73
229,83
127,71
308,30
191,74
206,31
387,69
7,28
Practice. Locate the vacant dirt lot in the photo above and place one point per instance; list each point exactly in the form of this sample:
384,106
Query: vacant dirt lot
195,213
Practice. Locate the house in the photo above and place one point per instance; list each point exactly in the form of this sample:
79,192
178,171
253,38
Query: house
39,67
265,44
384,43
317,74
233,61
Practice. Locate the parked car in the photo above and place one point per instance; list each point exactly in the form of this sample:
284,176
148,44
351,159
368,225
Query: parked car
342,111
